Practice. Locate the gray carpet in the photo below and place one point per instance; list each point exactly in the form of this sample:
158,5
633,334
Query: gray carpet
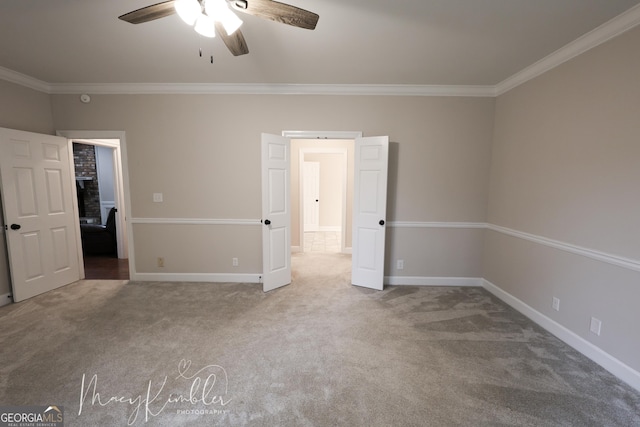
316,353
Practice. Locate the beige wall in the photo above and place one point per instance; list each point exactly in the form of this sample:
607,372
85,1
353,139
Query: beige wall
435,252
211,248
566,167
202,152
24,109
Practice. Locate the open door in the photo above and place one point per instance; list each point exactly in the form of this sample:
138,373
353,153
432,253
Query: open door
369,211
276,212
37,196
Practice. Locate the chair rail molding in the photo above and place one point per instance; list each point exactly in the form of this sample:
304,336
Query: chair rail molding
617,260
195,221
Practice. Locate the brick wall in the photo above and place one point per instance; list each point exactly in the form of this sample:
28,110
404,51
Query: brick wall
84,157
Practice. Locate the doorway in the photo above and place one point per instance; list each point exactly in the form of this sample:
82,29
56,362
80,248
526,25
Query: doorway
321,228
103,252
325,180
330,219
95,179
281,218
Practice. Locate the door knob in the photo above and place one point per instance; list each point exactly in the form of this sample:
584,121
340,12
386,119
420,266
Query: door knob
267,222
316,200
15,226
381,222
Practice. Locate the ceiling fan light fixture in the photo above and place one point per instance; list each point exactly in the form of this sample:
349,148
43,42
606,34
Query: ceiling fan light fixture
218,16
188,10
231,22
214,7
205,26
219,10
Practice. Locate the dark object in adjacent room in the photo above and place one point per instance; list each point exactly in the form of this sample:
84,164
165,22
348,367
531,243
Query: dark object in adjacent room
100,239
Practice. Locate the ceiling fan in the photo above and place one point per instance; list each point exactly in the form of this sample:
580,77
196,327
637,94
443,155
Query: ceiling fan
212,17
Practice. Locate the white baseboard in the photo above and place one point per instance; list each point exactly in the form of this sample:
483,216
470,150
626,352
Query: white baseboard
5,299
196,277
432,281
602,358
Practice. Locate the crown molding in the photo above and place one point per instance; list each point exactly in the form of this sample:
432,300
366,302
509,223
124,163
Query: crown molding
605,32
242,88
270,89
24,80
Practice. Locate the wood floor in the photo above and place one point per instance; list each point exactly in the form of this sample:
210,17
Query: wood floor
106,268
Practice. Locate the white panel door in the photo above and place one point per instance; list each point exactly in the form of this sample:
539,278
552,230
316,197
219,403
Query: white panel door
37,197
311,194
369,211
276,212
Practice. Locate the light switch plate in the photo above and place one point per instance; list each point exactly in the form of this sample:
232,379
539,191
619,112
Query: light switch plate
596,326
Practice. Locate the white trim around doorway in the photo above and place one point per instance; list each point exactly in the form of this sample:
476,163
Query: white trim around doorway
117,141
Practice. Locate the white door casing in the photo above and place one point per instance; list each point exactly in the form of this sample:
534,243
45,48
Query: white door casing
369,211
311,195
38,193
116,140
276,211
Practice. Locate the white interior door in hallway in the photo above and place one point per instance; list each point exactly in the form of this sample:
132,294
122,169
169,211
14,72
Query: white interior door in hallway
37,198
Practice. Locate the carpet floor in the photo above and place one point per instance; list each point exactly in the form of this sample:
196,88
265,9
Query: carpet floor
318,352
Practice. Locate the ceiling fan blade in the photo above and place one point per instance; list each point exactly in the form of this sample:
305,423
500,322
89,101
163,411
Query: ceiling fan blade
235,42
149,13
278,12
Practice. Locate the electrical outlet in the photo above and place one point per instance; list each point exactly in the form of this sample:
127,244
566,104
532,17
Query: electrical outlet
596,326
160,261
235,262
556,304
157,197
400,264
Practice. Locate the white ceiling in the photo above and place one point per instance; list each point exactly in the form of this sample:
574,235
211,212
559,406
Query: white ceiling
372,42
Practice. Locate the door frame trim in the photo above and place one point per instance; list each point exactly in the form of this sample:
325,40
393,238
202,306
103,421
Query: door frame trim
307,134
323,134
123,195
